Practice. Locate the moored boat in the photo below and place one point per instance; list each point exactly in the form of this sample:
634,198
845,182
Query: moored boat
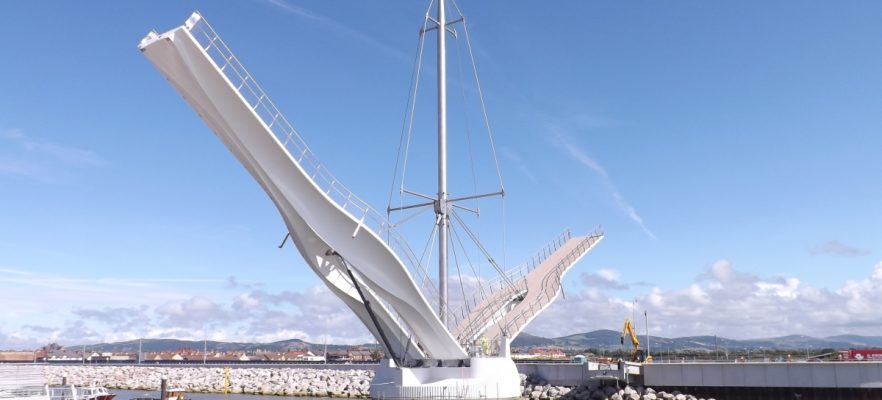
72,392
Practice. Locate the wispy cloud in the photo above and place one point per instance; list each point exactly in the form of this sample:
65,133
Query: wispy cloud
583,158
37,295
24,155
233,282
518,163
338,27
837,248
53,281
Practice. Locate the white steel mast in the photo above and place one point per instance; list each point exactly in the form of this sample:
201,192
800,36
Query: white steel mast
441,203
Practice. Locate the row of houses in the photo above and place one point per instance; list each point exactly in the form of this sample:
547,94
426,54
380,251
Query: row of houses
291,355
355,354
17,356
217,356
539,353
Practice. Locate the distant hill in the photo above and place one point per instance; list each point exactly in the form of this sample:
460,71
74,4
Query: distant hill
865,341
151,345
608,339
528,340
599,339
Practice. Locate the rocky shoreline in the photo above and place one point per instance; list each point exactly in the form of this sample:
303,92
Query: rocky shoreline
537,389
306,382
263,381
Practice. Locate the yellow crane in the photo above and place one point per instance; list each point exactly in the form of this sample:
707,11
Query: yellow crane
637,355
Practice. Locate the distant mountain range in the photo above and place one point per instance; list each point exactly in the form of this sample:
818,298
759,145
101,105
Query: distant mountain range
600,339
154,345
608,339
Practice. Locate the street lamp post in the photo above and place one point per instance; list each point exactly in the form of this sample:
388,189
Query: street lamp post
646,319
716,349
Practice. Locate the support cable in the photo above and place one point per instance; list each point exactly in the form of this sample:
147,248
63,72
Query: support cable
367,306
504,235
481,291
409,217
407,123
489,130
459,275
428,250
481,248
481,96
478,278
468,129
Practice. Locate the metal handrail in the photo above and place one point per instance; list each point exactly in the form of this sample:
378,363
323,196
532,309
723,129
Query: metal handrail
486,315
515,274
537,259
276,122
549,291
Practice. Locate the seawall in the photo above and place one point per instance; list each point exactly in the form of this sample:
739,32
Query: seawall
563,381
279,381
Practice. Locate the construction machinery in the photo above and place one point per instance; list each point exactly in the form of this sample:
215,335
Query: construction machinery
637,355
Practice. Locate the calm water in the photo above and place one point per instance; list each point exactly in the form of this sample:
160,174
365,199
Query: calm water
131,394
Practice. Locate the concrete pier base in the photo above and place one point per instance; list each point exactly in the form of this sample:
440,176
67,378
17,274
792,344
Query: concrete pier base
484,378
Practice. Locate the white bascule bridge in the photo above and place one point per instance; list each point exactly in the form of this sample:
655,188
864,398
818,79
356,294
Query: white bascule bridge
432,352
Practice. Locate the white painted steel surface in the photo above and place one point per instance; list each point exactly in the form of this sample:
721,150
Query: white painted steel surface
181,59
327,222
485,378
441,210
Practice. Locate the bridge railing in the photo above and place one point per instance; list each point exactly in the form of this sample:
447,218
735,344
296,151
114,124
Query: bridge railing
551,284
490,290
276,122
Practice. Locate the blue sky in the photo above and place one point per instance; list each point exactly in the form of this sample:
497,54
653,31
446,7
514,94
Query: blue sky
731,151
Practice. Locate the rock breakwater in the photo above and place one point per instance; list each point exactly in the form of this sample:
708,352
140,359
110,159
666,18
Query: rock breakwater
535,388
264,381
307,382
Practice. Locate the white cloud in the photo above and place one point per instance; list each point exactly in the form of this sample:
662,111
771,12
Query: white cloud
313,315
725,301
245,301
603,279
786,289
721,300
